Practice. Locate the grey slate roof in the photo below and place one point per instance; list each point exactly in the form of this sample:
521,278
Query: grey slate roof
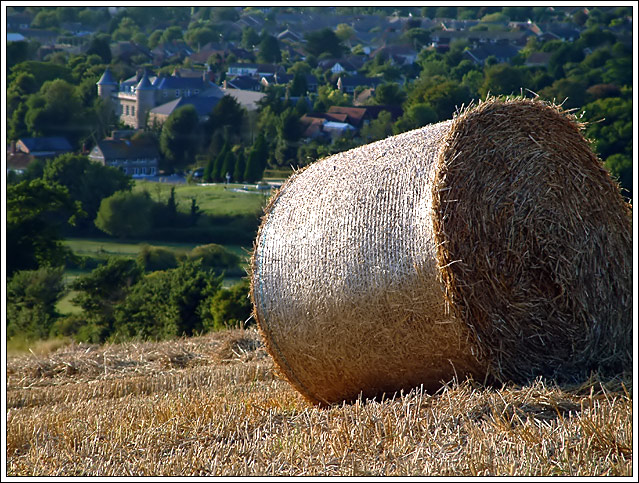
56,143
144,84
203,105
119,149
181,83
107,78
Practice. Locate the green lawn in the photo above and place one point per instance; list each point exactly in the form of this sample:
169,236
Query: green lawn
101,248
215,200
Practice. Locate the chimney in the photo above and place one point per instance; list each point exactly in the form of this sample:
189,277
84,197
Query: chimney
224,84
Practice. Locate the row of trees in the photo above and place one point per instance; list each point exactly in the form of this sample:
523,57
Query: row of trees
120,300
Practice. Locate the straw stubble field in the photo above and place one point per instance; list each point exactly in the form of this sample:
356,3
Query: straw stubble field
214,405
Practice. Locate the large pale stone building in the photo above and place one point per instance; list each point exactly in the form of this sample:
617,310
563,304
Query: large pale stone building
143,99
133,99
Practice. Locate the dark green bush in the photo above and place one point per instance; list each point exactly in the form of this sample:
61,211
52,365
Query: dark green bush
231,307
102,290
157,258
167,304
216,258
31,299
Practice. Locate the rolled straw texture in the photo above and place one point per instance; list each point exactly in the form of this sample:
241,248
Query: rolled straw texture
493,245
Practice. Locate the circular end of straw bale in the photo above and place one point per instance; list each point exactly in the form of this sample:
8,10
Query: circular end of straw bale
534,242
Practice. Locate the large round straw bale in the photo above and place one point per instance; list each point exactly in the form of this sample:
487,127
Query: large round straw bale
493,245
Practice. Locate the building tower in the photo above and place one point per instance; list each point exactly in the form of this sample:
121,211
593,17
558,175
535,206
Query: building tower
144,100
107,86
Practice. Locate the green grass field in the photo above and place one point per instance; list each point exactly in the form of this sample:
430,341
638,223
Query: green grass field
214,200
105,247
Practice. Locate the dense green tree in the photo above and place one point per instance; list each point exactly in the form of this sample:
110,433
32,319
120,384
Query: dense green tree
301,67
443,96
566,52
571,92
250,38
323,41
228,113
125,214
216,258
620,167
170,212
418,37
231,307
45,19
289,127
156,258
257,158
200,36
390,94
618,71
99,45
194,212
518,13
596,36
36,211
240,167
463,68
101,292
224,14
17,52
379,128
86,182
41,71
610,125
379,66
126,29
328,96
417,115
228,165
217,163
299,86
269,50
31,299
179,141
502,79
344,32
167,304
17,126
56,110
154,39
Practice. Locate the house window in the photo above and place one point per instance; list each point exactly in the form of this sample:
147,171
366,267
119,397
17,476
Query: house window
132,110
177,92
196,91
165,93
127,110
